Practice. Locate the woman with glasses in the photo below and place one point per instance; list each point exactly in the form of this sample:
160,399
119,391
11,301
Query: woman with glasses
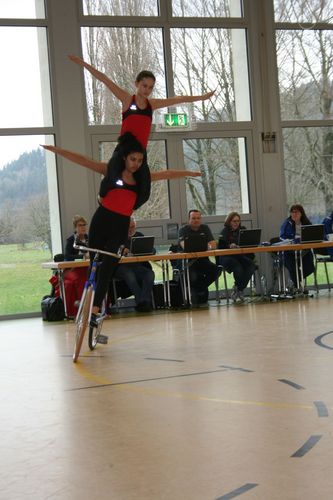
241,266
75,278
291,230
80,226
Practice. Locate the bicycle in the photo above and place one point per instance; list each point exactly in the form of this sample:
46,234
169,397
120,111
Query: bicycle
83,316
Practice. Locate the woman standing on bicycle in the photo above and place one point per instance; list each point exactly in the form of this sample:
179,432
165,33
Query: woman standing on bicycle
121,192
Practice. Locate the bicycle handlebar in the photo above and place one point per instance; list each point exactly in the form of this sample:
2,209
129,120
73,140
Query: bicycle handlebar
96,250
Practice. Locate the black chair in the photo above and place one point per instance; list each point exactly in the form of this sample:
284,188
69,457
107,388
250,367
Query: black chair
322,257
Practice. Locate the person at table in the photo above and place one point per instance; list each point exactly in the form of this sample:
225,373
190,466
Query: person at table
241,266
203,272
291,230
138,276
75,278
328,229
80,236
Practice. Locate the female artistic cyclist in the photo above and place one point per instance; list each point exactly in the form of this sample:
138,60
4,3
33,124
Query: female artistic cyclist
137,113
119,195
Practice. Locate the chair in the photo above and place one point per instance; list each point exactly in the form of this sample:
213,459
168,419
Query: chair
258,280
321,258
217,291
279,276
118,290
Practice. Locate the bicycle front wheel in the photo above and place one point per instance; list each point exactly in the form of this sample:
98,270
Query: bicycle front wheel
82,322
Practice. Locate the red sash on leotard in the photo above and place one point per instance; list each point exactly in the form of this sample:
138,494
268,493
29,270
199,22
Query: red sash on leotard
120,201
137,121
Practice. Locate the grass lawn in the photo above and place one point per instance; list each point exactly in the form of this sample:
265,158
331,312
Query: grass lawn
23,282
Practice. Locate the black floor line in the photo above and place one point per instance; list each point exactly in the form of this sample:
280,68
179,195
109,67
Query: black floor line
235,493
144,380
307,446
318,340
166,359
291,383
236,368
321,408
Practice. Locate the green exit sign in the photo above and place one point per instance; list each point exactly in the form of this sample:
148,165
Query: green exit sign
179,120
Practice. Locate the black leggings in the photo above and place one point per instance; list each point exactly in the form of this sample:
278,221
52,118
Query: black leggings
108,230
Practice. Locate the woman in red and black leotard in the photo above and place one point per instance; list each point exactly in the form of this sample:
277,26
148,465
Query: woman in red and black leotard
120,192
137,112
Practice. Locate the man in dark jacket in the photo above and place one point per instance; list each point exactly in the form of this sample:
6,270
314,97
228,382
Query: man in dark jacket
203,272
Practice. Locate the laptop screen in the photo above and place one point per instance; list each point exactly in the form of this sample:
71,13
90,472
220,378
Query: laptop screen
249,237
312,234
142,245
196,242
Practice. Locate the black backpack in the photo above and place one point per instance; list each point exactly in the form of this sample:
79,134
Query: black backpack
52,308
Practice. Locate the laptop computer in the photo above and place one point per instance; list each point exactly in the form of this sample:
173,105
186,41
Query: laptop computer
249,237
142,245
196,242
312,234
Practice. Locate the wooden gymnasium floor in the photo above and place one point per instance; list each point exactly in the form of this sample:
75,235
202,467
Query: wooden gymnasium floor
219,403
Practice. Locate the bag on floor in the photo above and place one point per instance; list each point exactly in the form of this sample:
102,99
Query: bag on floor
52,309
176,295
158,292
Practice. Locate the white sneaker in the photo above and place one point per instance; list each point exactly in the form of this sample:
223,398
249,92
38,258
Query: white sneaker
241,295
234,294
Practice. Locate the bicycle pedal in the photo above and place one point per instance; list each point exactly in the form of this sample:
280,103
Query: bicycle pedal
102,339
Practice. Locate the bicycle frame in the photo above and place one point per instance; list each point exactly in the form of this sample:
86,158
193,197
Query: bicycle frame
91,281
82,319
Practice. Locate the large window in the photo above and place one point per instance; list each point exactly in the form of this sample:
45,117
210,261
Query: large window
25,86
213,59
120,53
120,8
29,212
305,68
186,61
223,186
23,9
308,156
206,8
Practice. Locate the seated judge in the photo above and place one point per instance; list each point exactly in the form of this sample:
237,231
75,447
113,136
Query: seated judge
203,272
242,266
75,278
328,229
138,276
291,230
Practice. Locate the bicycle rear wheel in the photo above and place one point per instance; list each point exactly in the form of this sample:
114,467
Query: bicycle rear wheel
94,334
82,322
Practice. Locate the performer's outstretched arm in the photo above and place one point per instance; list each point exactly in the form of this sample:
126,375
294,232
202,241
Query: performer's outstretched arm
117,91
101,167
85,161
173,174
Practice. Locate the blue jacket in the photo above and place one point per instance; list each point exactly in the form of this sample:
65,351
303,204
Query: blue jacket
328,225
288,231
